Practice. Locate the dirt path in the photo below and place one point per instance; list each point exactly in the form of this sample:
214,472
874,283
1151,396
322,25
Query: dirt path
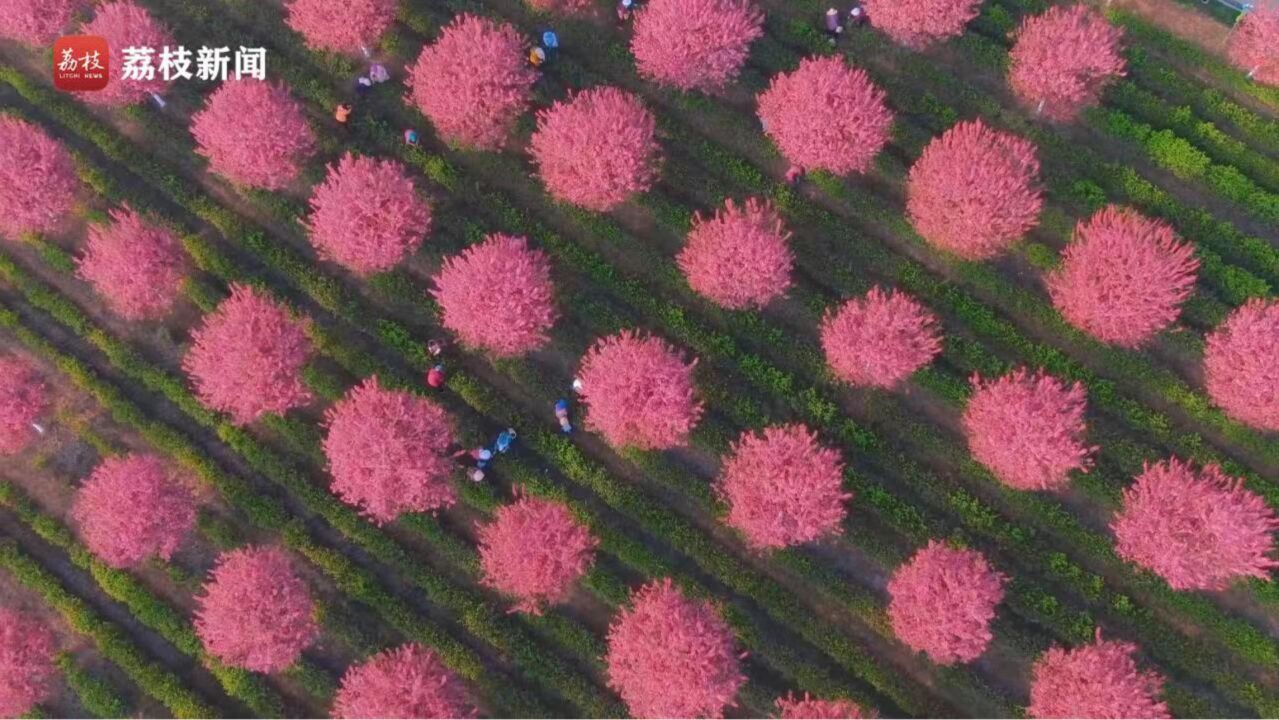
1185,22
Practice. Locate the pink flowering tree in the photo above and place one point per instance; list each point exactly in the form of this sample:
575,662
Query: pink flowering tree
943,601
826,116
255,612
137,267
564,7
22,401
669,656
133,508
1100,680
1123,277
1254,44
124,24
247,356
1197,529
409,681
473,82
694,44
535,551
367,216
783,487
343,27
1028,429
596,149
1241,364
741,257
498,296
879,339
27,666
791,707
37,22
387,452
1063,59
639,392
974,191
38,181
920,23
254,134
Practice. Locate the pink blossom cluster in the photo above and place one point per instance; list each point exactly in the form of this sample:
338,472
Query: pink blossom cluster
1241,364
808,708
22,400
345,26
826,116
1123,277
473,82
1100,680
596,149
38,181
27,669
1028,429
740,257
254,134
639,392
387,452
497,296
943,602
366,215
1063,59
535,551
409,681
1254,44
974,191
694,44
672,657
1197,529
136,266
37,22
133,508
920,23
247,356
879,339
124,23
255,612
783,487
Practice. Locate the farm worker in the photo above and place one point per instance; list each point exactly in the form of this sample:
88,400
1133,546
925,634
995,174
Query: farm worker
378,74
342,114
561,414
833,28
504,440
362,86
410,137
476,475
624,9
793,174
577,385
435,376
857,16
433,346
536,57
550,43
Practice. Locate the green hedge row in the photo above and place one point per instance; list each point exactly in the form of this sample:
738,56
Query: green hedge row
150,610
1158,77
112,642
96,695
